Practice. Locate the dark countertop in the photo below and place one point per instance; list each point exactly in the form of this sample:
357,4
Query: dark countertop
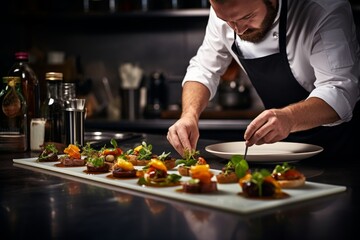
40,205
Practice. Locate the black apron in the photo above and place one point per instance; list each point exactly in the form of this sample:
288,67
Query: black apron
277,87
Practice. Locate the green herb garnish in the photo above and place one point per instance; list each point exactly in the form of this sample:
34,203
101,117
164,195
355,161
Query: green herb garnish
170,179
163,156
258,178
190,158
96,161
145,153
88,151
282,168
238,164
49,150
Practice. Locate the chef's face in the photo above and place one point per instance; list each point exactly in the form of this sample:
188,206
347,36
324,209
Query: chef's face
250,19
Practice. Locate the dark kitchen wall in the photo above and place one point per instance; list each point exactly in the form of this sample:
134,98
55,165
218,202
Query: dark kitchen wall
95,43
101,41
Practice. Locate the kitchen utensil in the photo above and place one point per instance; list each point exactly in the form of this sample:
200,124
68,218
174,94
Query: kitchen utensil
246,150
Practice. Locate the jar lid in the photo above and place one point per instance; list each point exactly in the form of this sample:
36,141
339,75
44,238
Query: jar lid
7,79
54,76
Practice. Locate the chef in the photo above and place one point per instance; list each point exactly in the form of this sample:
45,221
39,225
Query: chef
302,57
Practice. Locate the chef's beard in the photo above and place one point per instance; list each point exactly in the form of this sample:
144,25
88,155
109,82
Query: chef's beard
257,34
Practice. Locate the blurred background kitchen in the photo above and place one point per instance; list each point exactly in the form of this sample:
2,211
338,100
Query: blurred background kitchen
127,57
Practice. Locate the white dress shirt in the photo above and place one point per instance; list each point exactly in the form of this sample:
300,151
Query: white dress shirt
322,50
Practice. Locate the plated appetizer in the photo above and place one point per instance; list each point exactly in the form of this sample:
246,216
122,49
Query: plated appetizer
97,164
123,169
168,160
287,176
111,154
72,157
200,181
49,154
102,160
235,169
140,155
155,174
190,159
88,151
261,184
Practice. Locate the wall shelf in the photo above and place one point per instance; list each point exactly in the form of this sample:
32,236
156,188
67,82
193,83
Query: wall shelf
165,20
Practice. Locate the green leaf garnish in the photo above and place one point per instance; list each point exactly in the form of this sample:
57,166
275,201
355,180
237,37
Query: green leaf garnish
238,164
88,151
145,152
282,168
258,178
96,161
163,156
173,178
190,158
113,142
49,149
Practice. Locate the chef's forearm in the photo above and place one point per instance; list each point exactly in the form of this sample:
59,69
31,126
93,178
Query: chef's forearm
310,113
195,97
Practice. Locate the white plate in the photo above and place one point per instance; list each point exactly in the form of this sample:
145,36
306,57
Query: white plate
266,153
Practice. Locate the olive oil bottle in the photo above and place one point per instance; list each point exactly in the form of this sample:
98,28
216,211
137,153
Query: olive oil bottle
13,117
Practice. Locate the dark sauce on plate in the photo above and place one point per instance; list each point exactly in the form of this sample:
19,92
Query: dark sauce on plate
94,172
66,166
280,195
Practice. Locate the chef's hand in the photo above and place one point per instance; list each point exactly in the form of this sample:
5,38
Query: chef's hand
184,134
270,126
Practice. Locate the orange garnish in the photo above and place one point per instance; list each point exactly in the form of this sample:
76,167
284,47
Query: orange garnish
201,172
158,164
127,166
245,179
73,151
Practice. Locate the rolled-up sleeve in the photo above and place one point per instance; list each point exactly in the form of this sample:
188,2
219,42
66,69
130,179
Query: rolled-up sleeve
335,59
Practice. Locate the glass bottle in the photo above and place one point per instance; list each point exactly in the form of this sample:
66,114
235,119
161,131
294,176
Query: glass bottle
30,85
29,81
13,117
52,108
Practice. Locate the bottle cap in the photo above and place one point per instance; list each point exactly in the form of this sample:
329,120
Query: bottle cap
22,55
54,76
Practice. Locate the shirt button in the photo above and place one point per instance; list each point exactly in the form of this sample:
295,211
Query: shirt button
276,35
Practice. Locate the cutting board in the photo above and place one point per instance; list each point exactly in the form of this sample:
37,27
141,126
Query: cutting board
226,198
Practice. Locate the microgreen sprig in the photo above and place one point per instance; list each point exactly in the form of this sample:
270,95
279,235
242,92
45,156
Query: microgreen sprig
282,168
163,156
190,158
